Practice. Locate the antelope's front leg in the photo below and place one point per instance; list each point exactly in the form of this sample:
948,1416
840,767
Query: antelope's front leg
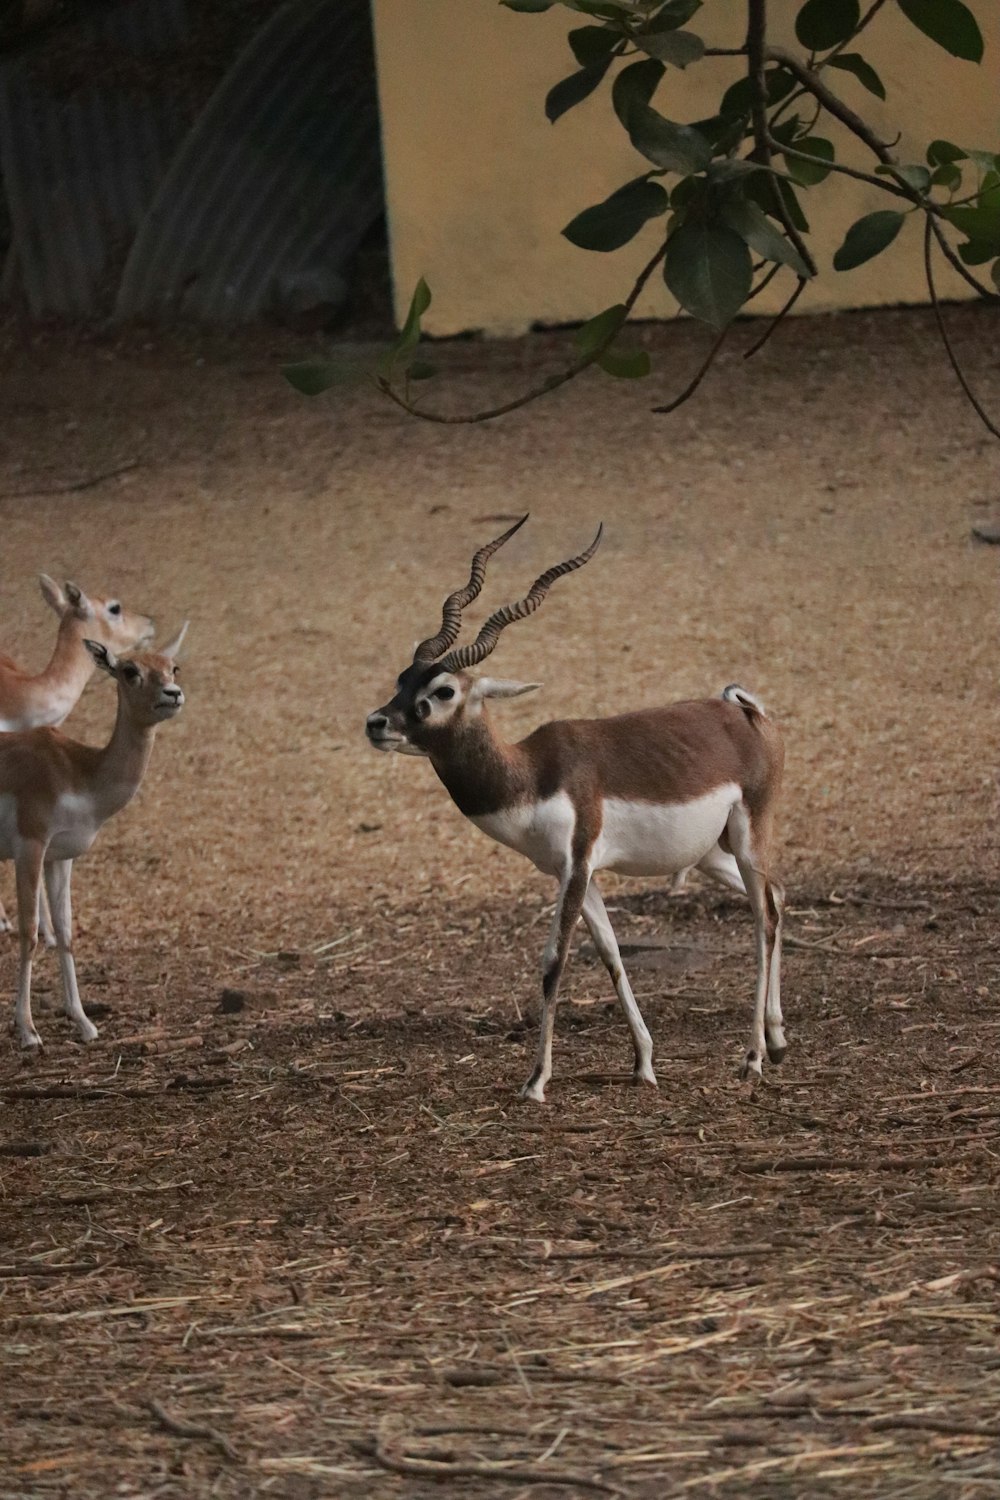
57,884
569,905
596,917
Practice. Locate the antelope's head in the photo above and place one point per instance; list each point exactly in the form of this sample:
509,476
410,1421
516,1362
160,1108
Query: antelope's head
147,680
436,693
105,620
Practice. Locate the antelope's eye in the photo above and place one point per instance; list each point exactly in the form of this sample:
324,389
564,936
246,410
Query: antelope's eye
445,692
115,608
131,673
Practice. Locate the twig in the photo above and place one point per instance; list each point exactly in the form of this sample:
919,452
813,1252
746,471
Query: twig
829,100
988,293
183,1429
935,1424
430,1468
776,321
973,399
551,383
73,487
698,377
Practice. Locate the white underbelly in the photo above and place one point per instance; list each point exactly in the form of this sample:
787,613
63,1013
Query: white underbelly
541,831
644,838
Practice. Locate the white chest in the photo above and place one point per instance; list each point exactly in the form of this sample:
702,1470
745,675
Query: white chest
72,829
643,838
541,831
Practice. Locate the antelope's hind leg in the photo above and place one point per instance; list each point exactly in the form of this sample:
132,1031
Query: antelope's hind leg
766,1033
28,868
596,917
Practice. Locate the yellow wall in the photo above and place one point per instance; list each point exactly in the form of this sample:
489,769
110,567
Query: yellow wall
479,184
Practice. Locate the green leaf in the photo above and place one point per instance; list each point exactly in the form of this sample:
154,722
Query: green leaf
980,221
947,176
593,45
976,252
853,62
311,378
772,192
676,47
737,101
949,23
421,369
626,364
676,148
611,224
599,328
409,335
986,161
709,270
675,13
573,90
531,7
822,24
809,173
918,177
762,236
941,152
995,273
733,167
868,238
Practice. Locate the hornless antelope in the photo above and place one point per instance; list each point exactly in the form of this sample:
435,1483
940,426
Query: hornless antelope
56,793
647,793
28,702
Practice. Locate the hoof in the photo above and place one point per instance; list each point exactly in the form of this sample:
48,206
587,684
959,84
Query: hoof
776,1052
645,1076
534,1091
751,1069
87,1033
31,1044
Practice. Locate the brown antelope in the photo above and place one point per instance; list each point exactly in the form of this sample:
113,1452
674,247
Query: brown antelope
56,793
29,702
647,793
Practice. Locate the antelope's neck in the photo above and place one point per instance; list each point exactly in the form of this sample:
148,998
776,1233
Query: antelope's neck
55,691
480,771
122,763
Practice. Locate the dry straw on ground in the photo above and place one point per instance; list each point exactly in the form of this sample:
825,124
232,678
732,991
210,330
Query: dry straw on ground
285,1230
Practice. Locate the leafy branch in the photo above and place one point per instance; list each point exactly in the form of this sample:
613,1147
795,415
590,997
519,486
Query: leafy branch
728,189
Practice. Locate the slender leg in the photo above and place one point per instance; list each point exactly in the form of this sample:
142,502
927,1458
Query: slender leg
572,890
28,869
596,917
764,907
44,920
774,1033
57,881
723,868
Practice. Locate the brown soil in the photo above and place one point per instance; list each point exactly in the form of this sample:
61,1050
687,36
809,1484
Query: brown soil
303,1240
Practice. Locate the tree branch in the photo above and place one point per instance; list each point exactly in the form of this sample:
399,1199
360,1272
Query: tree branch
960,373
815,85
757,50
552,383
888,185
950,256
869,15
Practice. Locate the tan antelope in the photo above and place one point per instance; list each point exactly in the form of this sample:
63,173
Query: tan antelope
29,701
56,793
648,793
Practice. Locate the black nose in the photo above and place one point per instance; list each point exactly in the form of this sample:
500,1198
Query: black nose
375,723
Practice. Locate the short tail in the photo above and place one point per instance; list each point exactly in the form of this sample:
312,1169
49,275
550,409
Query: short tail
751,706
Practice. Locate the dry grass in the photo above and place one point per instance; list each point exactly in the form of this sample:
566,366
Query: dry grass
304,1241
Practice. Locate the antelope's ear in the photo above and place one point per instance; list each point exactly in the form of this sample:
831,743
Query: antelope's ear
103,657
499,687
79,601
52,594
172,648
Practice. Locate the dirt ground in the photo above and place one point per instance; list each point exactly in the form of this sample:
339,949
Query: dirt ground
301,1239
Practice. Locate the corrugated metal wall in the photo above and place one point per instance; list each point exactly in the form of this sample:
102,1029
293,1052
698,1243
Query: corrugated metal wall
119,202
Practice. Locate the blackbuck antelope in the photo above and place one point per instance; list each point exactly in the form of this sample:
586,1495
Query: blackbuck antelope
56,793
30,701
647,793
